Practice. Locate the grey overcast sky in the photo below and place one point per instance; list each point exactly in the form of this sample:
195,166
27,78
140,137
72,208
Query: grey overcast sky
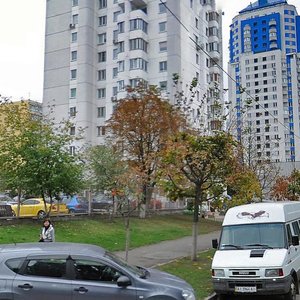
22,26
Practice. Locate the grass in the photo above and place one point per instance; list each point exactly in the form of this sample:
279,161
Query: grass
106,233
197,274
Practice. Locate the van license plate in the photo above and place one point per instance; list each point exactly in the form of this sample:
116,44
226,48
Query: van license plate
245,289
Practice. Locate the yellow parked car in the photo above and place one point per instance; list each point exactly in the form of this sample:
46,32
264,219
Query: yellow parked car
35,207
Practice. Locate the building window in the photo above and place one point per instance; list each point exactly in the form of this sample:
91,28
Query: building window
121,27
101,112
163,46
135,44
162,26
139,24
101,93
72,130
196,23
102,75
121,85
121,66
73,55
102,21
162,8
73,93
74,2
73,111
74,37
102,4
100,130
138,64
101,38
115,16
121,47
102,56
73,74
197,59
75,19
115,91
163,66
72,150
115,72
163,85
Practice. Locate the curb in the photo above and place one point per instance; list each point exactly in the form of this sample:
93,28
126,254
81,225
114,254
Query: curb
211,297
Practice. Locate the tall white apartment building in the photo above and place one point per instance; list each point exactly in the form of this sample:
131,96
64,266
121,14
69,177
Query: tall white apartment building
265,86
94,49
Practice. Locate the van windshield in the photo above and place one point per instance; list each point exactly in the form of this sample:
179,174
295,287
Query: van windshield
249,236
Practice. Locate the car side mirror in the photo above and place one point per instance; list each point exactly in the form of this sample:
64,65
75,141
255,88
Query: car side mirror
295,240
123,281
215,243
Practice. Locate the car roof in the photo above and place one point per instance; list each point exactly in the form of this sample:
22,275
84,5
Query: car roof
53,249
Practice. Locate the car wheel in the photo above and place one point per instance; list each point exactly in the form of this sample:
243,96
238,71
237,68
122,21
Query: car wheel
221,297
291,295
41,214
72,212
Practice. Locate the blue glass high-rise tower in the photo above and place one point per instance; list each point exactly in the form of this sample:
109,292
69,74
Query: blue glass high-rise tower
264,90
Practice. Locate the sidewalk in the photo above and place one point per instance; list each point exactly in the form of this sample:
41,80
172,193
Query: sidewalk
152,255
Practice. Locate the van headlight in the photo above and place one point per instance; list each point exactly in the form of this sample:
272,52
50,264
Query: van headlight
218,273
188,295
274,273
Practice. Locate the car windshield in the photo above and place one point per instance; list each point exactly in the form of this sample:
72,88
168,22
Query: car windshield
133,269
249,236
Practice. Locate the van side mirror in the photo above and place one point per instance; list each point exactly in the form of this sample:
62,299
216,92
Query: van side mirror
295,240
215,243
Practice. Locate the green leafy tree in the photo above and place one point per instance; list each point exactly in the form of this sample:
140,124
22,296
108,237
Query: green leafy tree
34,156
201,162
105,168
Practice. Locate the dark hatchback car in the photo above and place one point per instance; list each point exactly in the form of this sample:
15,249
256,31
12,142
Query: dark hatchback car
69,271
102,203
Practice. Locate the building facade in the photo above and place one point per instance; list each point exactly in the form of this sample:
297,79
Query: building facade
264,89
94,49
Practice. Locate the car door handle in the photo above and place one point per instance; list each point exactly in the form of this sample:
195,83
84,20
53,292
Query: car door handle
81,290
25,286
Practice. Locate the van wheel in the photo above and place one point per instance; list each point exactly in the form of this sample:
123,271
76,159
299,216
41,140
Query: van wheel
291,295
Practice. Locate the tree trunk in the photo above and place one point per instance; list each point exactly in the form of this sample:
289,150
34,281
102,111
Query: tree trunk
195,222
127,236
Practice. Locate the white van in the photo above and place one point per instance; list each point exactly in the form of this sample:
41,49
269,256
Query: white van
258,252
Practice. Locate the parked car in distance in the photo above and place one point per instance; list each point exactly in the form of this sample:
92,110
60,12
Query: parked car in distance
66,271
5,206
76,204
102,202
35,207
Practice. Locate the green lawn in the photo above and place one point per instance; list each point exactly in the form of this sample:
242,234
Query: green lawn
106,233
197,274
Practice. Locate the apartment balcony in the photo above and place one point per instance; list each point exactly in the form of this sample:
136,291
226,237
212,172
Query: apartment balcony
215,55
273,45
139,3
272,23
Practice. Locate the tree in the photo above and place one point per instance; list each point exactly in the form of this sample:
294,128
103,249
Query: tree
140,127
105,167
201,162
287,187
34,157
243,186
